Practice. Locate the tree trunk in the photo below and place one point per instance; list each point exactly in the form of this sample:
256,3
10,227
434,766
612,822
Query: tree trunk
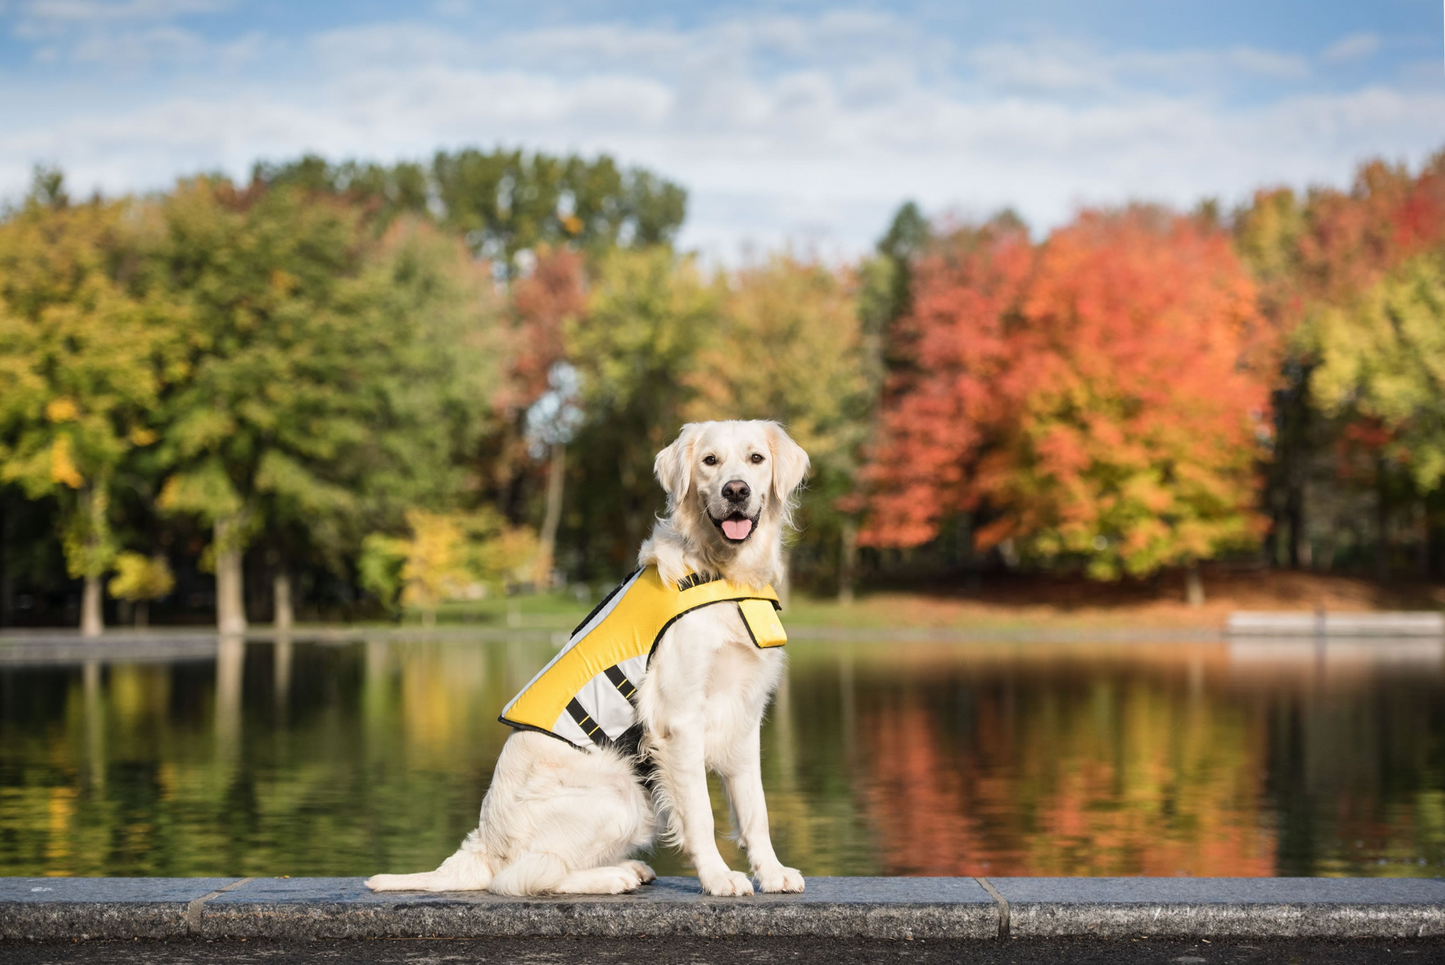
1193,585
1382,525
785,578
1434,533
91,620
142,614
7,579
631,517
552,519
283,617
1295,514
848,561
1293,451
1422,548
230,598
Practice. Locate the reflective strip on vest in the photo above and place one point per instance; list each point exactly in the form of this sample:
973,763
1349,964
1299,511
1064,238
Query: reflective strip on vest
586,694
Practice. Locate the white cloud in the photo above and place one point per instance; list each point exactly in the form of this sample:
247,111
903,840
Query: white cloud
136,48
1268,63
776,134
119,33
1353,47
93,11
452,8
1075,68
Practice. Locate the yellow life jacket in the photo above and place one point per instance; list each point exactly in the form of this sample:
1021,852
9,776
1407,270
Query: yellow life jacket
585,695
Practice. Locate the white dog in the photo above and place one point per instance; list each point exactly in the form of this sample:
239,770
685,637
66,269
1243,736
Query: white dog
562,820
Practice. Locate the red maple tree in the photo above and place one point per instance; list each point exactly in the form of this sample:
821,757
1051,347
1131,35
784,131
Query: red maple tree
1085,396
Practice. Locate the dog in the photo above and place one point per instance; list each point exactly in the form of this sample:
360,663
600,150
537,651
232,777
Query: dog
560,819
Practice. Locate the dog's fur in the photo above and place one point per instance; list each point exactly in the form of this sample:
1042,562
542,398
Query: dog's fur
558,820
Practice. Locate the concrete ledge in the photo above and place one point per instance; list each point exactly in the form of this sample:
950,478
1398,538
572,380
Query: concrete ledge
65,909
1233,907
53,908
315,908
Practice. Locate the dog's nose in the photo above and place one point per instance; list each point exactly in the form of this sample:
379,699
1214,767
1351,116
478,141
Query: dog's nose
736,491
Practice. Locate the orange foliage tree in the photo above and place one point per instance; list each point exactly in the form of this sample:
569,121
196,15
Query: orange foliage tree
1084,397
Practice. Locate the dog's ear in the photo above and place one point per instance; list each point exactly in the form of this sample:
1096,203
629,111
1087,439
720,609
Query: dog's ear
673,467
790,462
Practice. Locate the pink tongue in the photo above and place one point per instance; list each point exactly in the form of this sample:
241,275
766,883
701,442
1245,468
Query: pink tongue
737,528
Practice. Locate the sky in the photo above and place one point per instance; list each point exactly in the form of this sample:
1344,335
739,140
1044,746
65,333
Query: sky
791,124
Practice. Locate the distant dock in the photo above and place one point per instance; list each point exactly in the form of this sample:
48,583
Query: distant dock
1321,623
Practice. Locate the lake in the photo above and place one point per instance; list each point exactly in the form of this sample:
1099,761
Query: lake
901,758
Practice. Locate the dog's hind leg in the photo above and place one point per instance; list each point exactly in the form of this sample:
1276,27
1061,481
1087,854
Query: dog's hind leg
581,851
467,870
532,873
644,870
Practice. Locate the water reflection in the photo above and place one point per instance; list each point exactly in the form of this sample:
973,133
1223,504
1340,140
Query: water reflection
1242,758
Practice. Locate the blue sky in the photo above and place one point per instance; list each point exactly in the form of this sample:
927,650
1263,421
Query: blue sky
801,124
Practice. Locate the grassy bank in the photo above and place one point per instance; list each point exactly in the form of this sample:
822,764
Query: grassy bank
1009,601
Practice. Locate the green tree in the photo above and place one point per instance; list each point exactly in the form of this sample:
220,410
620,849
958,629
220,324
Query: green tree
1381,376
784,318
1383,358
1313,256
648,314
506,203
332,378
84,353
907,237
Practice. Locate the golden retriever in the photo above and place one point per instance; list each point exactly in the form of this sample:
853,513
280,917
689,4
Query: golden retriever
558,819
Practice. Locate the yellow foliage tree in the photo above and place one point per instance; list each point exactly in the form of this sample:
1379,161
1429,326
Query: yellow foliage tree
1383,358
140,579
83,358
447,556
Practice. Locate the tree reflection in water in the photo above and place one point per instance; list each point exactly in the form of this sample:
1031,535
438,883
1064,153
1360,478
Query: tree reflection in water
926,759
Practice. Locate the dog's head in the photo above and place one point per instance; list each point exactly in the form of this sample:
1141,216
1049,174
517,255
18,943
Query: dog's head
727,480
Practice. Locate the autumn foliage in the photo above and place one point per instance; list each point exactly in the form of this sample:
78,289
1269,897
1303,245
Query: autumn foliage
1084,398
286,367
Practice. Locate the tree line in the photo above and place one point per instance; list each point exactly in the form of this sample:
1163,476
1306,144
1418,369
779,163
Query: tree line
413,383
1146,389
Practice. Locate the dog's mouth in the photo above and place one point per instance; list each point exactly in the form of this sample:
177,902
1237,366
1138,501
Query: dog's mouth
737,527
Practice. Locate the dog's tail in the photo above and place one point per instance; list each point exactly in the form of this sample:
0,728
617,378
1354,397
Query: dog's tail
467,870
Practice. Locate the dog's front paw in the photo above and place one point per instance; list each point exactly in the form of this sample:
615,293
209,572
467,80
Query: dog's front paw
778,878
726,883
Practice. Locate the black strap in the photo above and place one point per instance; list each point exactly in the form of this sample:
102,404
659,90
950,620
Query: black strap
619,680
589,726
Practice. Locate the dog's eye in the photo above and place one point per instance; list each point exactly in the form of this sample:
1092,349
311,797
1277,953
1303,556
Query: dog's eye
757,457
709,460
